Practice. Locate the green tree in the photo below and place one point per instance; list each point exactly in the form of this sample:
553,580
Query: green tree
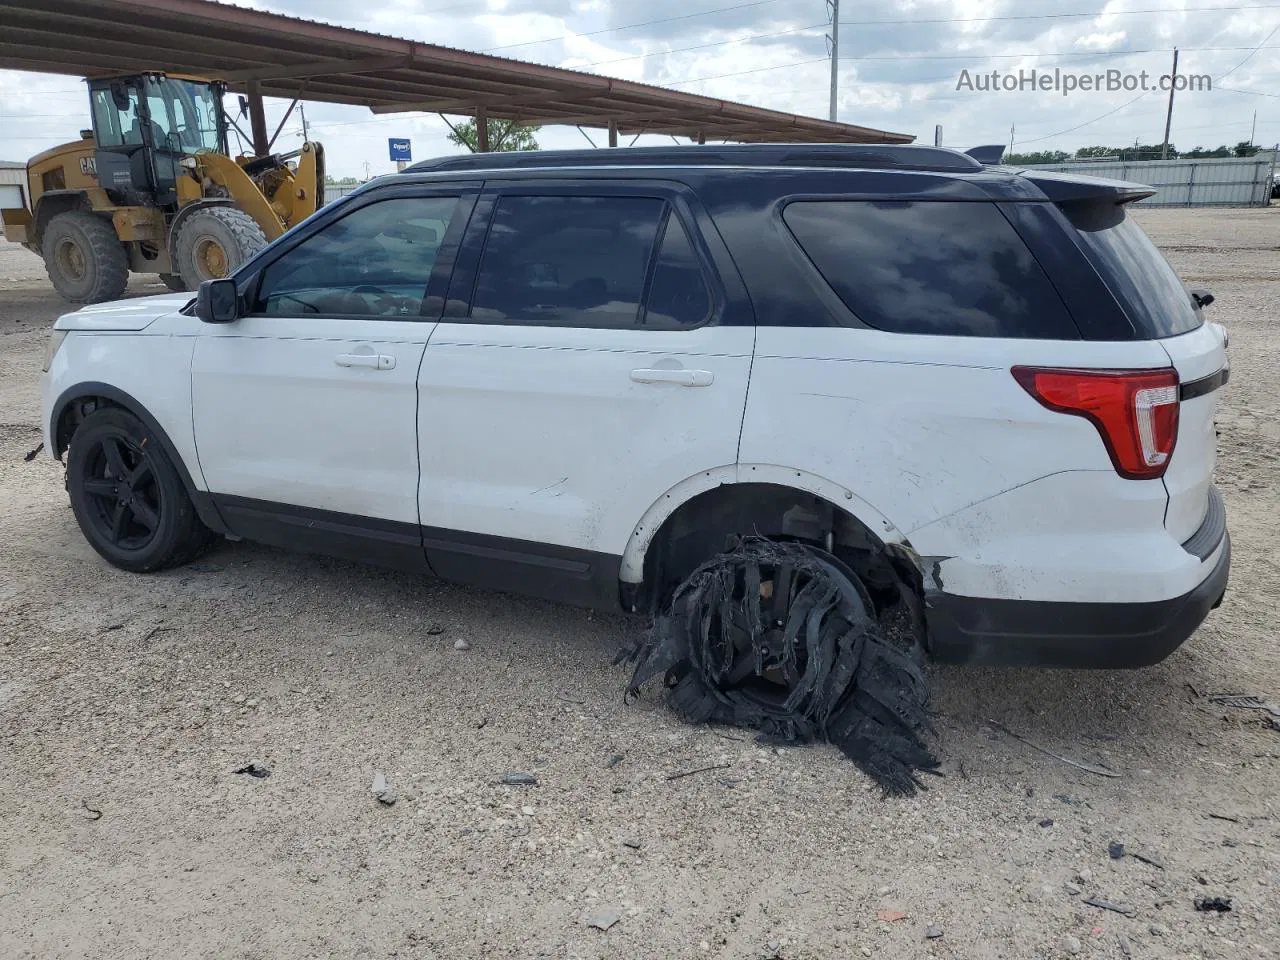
1244,149
1202,153
503,135
1086,153
1039,156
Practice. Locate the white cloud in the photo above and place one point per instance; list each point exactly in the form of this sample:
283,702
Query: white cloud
895,75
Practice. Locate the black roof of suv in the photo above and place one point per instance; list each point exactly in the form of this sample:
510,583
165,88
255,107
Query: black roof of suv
1009,182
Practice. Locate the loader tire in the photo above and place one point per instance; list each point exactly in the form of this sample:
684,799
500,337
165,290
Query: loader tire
212,243
84,257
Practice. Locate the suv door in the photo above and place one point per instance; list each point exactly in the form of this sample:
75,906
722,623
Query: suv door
594,353
305,409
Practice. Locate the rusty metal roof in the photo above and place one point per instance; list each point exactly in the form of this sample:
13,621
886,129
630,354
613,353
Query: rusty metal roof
291,57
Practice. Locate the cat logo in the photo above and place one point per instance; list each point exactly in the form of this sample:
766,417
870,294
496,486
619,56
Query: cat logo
89,166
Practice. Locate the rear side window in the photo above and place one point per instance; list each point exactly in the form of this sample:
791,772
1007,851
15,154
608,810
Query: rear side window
567,261
1137,273
931,267
678,294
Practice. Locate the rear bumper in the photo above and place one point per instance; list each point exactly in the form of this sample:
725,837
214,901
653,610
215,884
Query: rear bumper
1032,633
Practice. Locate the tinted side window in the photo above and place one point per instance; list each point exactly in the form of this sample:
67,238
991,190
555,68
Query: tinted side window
375,261
566,261
678,294
1134,269
957,269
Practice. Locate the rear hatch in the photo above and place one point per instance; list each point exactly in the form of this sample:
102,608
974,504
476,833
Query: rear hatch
1160,308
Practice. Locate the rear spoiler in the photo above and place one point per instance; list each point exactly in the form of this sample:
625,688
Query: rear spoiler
1068,187
989,155
1079,188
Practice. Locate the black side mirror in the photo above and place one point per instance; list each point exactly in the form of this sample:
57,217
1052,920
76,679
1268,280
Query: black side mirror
217,301
1201,296
119,95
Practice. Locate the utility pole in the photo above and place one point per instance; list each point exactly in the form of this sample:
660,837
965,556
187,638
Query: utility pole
1254,129
1168,119
1011,127
302,108
833,38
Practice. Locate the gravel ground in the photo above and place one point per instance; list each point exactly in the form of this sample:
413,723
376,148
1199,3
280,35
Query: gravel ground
127,702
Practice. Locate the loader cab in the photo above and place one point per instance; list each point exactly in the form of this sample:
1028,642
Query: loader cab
144,125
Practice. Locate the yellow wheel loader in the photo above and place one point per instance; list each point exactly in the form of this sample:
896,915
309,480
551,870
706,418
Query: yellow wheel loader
151,188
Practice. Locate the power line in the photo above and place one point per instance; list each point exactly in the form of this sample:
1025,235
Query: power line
743,73
705,46
1087,123
1252,93
1250,57
1061,16
1066,53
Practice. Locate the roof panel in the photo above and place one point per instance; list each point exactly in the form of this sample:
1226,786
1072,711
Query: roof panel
290,56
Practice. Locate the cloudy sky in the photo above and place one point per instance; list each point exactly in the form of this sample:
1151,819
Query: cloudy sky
899,66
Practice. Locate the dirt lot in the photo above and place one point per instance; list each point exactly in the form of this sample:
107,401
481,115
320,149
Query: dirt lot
138,697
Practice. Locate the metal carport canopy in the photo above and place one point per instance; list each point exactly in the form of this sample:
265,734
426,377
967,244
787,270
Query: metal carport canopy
280,56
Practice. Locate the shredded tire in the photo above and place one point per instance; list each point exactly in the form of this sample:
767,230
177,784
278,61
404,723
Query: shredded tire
780,638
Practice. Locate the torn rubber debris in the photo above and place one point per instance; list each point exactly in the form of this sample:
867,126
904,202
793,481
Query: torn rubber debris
780,637
1213,904
254,770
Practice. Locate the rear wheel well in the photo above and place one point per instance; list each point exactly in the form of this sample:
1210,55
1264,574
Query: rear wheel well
708,523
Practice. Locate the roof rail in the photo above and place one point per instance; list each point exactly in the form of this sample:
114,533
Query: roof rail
880,156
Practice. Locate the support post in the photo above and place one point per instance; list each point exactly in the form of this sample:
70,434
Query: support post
258,120
613,133
283,120
834,6
482,130
1168,118
702,138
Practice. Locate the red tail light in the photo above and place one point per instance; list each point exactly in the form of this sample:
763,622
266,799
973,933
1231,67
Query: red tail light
1135,411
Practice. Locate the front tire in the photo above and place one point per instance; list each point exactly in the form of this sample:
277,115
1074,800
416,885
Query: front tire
127,495
84,258
213,242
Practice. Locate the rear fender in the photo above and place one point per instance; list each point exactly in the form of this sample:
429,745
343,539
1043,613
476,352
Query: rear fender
633,557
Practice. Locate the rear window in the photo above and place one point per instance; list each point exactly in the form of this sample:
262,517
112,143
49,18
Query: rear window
1138,274
931,267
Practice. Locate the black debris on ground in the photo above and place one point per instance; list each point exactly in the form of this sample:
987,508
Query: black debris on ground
780,638
32,454
1213,904
254,770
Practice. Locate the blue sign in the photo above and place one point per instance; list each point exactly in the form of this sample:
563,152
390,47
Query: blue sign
399,149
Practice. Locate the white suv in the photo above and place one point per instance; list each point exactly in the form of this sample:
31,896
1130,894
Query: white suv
980,392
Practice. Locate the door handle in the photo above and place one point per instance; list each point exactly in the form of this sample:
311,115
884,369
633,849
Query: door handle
684,378
375,361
